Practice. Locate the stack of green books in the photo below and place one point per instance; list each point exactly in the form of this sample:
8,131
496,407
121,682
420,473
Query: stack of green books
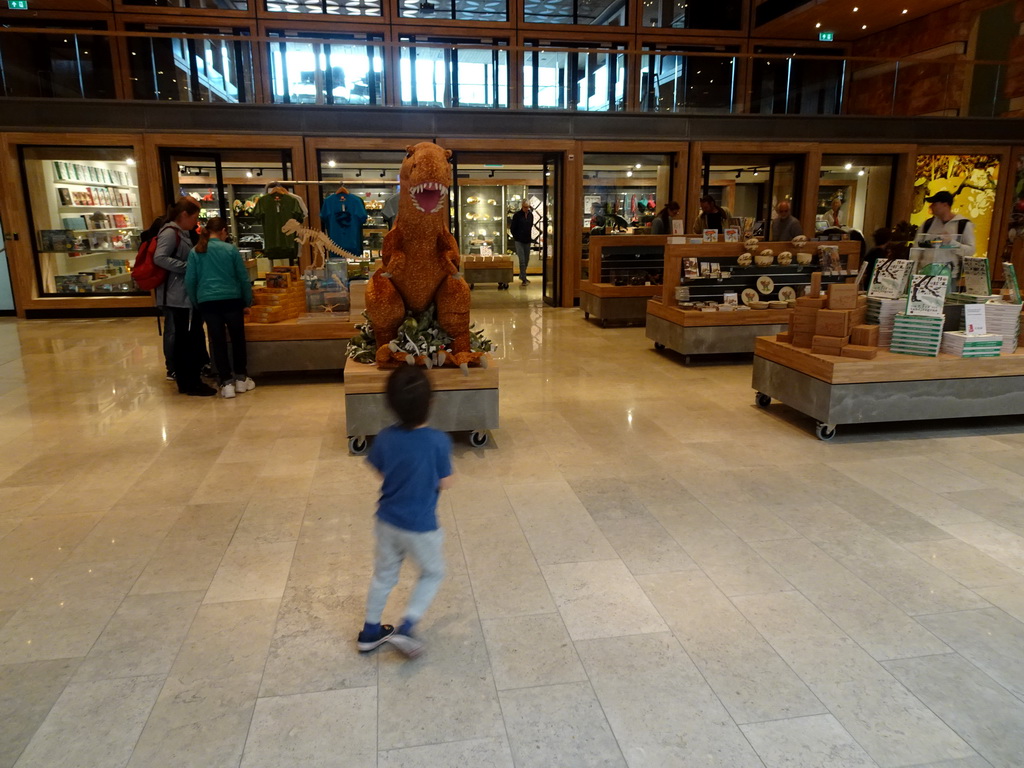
917,335
980,345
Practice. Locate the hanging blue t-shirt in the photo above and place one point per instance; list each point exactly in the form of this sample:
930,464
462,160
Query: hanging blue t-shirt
413,463
342,217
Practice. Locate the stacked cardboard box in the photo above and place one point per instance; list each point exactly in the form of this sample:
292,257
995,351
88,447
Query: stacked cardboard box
824,324
283,298
917,335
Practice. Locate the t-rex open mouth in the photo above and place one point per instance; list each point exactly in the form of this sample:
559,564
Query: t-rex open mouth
428,196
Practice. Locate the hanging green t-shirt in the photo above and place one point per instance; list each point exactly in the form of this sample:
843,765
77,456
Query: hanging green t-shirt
274,209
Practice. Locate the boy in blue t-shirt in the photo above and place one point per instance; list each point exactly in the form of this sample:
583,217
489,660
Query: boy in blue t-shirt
415,463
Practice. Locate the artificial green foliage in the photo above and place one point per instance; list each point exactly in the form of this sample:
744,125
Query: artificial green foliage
419,336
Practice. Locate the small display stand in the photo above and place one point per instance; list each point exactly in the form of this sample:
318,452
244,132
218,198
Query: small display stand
488,269
462,402
891,387
293,345
623,272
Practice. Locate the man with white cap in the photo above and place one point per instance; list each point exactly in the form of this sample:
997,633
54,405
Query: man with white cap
944,222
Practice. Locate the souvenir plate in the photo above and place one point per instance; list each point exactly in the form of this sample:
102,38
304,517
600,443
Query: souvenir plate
748,295
765,285
787,293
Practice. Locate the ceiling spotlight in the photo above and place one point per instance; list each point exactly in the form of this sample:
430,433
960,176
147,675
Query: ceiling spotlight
860,172
629,173
547,173
359,173
855,9
383,174
756,172
904,10
638,166
331,163
738,174
490,175
259,171
818,25
248,174
130,160
848,166
864,26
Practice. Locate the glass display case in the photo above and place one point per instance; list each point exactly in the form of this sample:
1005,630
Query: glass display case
86,219
485,211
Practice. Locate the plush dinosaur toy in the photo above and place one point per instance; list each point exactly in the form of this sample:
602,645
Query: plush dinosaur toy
421,262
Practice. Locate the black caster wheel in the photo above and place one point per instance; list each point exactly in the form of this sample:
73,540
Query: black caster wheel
357,445
825,431
472,286
762,399
659,346
478,439
586,315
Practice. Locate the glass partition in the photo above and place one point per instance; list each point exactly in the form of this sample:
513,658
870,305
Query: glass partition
855,193
783,83
86,219
59,65
330,72
678,81
749,187
329,7
190,69
440,72
586,80
693,14
480,10
610,13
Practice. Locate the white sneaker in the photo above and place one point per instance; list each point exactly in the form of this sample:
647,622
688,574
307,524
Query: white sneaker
245,385
228,390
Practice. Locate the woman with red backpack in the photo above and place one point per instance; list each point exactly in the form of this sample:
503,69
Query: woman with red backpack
172,251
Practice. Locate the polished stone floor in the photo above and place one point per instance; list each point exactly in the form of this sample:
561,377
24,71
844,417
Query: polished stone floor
645,569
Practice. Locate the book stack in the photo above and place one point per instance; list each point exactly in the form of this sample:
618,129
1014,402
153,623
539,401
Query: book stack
882,312
1003,318
970,298
917,335
981,345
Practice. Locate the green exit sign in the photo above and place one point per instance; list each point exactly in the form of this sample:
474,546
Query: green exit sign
825,37
17,5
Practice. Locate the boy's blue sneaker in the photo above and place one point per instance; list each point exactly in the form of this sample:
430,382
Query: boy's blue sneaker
367,641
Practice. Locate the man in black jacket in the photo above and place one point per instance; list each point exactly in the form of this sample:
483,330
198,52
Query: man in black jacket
522,235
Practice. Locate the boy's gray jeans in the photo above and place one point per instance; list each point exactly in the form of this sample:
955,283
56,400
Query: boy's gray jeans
426,549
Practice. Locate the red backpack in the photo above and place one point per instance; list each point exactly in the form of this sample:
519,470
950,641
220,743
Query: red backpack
145,272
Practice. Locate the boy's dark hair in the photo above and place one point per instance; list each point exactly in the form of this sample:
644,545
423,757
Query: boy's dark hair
408,395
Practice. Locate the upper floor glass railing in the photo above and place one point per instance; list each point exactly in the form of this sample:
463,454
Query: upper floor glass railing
431,70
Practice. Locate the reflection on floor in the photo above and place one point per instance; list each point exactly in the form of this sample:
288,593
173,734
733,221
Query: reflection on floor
645,569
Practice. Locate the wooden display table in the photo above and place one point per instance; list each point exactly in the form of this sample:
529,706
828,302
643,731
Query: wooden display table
463,402
892,387
692,332
490,270
600,297
289,345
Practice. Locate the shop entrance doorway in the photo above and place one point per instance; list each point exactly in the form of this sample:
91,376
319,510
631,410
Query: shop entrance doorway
226,183
489,188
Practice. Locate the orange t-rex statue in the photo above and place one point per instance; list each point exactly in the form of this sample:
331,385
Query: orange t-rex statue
421,261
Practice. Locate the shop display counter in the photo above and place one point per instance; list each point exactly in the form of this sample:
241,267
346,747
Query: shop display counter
488,270
891,387
624,272
293,345
693,332
463,402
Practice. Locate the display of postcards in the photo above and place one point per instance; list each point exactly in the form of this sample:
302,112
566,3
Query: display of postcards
73,222
828,258
691,268
65,195
121,221
710,235
58,172
705,269
926,295
732,235
55,240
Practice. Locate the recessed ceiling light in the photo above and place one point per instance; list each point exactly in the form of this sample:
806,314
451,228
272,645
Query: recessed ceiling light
848,166
818,25
904,10
864,26
855,9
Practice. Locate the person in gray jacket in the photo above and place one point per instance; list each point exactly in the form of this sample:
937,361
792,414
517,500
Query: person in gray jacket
172,249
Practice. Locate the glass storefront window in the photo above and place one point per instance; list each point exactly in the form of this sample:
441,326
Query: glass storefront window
438,72
480,10
328,72
694,14
677,81
329,7
86,219
610,13
190,69
797,86
585,80
213,5
749,187
855,192
59,65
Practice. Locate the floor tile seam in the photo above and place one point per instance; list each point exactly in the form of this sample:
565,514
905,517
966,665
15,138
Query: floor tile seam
1018,574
